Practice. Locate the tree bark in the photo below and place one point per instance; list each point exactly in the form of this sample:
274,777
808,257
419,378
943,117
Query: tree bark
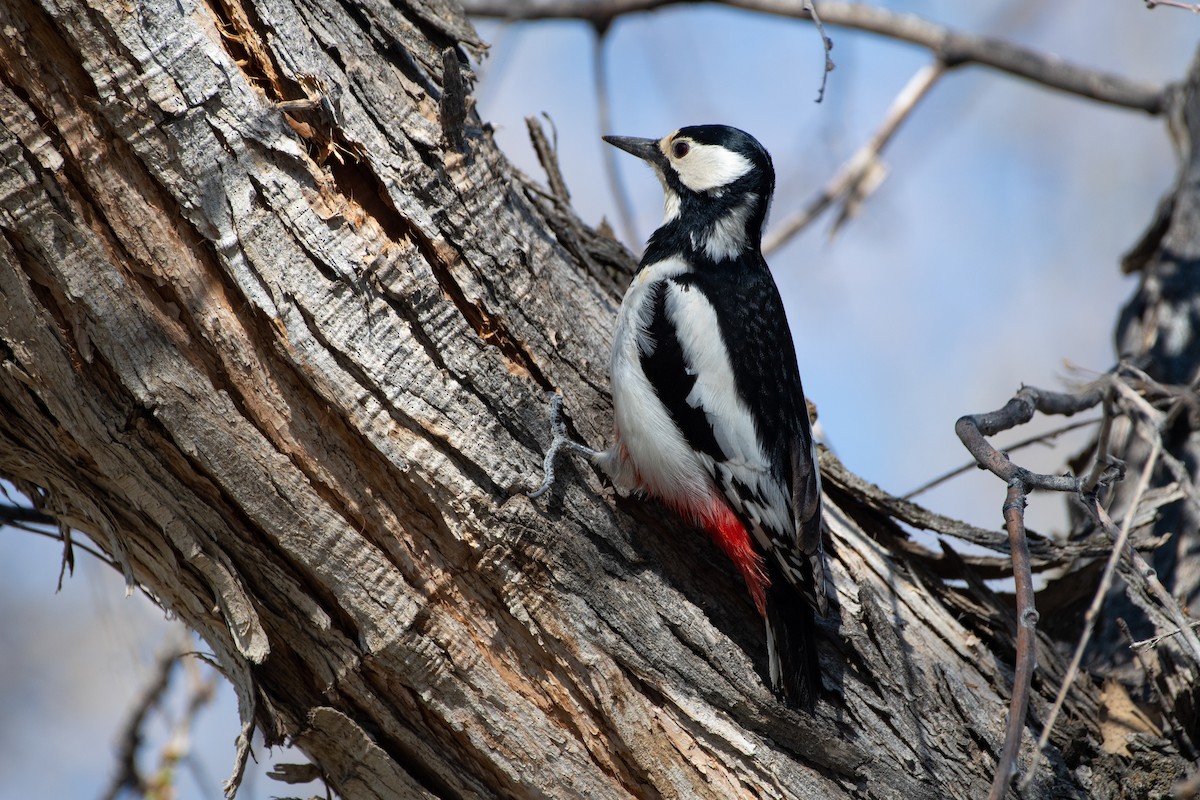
277,321
1158,332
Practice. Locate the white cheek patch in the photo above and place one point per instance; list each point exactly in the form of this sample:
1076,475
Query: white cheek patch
708,166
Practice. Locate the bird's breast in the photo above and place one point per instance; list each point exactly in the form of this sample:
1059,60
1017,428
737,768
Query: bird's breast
662,459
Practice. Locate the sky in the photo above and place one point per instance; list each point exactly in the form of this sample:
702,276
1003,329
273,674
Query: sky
988,258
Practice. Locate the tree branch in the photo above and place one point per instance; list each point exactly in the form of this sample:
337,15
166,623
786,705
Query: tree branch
1027,617
1192,7
973,430
1040,438
826,47
862,173
1120,545
951,47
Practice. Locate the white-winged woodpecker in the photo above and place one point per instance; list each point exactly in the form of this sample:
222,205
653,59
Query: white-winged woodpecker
710,415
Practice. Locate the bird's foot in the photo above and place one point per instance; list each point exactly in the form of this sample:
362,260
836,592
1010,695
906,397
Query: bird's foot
560,441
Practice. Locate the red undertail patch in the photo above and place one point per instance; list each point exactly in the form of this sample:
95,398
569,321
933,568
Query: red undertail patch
734,539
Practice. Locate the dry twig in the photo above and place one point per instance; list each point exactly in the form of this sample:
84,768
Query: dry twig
128,775
1192,7
1147,577
973,431
1027,616
826,46
609,155
953,48
1153,641
1120,547
863,172
1168,712
1021,445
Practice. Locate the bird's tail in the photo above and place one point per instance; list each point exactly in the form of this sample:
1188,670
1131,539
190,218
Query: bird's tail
791,643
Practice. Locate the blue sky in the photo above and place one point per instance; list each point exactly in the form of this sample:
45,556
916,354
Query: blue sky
987,259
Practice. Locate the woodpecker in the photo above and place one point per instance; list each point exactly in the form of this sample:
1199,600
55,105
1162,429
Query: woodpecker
710,416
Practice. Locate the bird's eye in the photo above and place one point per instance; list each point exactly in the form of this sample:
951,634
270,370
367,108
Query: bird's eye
680,149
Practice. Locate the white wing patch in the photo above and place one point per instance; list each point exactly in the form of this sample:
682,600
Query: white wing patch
695,323
708,166
760,497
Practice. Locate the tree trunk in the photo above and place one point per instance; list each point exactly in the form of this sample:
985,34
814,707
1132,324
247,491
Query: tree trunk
1159,332
277,321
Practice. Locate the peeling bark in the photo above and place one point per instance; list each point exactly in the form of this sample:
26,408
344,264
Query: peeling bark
279,344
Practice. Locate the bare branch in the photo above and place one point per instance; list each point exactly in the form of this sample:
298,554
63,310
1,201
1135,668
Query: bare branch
1021,445
839,479
25,514
853,182
1168,712
1192,7
1149,644
1147,576
826,46
57,535
1101,461
604,112
1027,617
973,429
951,47
128,775
1120,546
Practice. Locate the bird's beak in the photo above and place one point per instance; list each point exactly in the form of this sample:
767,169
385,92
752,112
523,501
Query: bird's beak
645,149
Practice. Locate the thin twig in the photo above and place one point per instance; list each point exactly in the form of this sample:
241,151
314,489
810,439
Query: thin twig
1021,445
1192,7
1147,575
841,480
954,48
1100,464
58,537
10,513
604,112
201,691
851,180
826,45
1181,735
974,429
24,517
1120,546
128,776
1153,641
1027,617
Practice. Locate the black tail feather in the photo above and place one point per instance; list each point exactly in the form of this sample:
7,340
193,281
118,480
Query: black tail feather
791,643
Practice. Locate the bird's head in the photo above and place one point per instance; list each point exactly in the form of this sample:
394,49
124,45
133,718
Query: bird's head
717,183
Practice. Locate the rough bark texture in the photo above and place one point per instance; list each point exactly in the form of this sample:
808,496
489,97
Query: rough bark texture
287,363
1159,331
